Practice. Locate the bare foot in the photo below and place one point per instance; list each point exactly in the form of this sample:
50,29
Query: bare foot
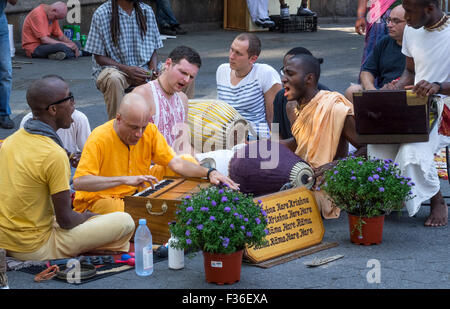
438,211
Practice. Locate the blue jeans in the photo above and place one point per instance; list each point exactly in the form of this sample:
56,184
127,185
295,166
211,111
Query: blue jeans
5,67
164,14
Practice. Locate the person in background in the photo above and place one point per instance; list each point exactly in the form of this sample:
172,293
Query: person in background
168,24
5,68
42,36
123,39
301,11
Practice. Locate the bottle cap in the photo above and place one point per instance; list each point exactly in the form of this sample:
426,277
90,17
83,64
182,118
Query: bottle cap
142,221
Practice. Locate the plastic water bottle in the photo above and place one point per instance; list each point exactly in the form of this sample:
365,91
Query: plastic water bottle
143,249
176,256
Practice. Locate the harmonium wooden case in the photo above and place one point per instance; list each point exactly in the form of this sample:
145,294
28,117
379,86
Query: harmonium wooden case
158,205
392,117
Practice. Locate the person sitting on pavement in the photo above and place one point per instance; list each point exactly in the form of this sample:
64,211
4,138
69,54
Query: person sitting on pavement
74,137
301,11
247,86
284,112
5,69
168,24
36,218
259,13
123,39
426,42
386,62
117,158
42,36
167,99
324,125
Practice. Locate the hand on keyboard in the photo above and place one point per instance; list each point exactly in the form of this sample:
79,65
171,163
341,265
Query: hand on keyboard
140,181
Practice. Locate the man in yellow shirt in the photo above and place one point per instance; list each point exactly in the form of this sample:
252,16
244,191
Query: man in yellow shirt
36,219
117,160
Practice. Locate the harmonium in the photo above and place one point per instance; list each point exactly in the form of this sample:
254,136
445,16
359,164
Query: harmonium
158,205
393,117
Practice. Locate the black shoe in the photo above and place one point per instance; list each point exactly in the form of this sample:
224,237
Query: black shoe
84,53
6,122
305,12
167,30
178,29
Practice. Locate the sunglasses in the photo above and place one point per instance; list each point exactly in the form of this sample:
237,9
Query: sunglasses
70,97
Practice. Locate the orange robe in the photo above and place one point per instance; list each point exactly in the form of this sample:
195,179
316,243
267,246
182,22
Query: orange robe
317,131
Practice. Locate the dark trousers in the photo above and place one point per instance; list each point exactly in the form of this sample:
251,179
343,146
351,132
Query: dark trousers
44,50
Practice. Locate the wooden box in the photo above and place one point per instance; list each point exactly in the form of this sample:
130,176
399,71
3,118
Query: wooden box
391,117
159,207
237,17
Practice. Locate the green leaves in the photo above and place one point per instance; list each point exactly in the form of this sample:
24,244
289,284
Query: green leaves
367,187
220,220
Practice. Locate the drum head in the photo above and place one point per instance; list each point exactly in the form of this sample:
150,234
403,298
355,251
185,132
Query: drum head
86,271
300,174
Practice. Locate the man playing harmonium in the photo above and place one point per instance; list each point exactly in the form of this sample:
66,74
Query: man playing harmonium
117,160
426,44
36,218
325,122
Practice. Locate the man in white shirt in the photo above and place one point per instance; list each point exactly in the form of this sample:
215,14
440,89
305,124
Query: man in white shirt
247,86
426,44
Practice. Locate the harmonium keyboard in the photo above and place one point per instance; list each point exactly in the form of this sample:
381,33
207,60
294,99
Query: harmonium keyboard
159,204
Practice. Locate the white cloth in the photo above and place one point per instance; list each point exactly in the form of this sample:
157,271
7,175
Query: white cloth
221,157
258,9
247,97
430,51
74,137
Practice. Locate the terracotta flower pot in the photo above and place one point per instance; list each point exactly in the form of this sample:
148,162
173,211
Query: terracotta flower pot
223,268
371,230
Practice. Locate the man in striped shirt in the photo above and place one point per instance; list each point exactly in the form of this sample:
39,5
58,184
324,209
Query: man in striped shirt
247,86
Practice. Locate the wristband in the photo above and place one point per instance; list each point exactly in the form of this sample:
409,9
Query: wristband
440,86
209,172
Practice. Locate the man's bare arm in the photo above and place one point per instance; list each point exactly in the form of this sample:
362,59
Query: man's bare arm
65,216
367,80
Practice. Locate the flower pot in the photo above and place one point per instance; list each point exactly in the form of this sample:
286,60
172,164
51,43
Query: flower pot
223,268
371,230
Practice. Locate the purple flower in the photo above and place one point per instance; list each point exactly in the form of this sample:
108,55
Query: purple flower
241,216
259,202
200,227
236,199
264,213
353,178
213,203
378,169
232,226
225,241
335,172
411,184
370,179
376,177
242,227
204,209
220,191
189,209
235,214
258,221
224,199
188,233
212,218
246,219
227,209
353,172
249,234
381,189
188,241
360,162
187,197
266,231
189,221
208,198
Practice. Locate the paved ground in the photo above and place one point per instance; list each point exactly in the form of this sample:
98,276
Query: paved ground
411,255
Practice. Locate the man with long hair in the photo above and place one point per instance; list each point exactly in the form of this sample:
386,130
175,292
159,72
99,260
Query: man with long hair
123,48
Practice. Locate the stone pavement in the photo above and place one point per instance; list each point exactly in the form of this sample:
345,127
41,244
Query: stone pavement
411,256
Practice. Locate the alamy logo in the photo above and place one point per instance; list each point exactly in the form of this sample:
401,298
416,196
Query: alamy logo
74,271
374,275
73,12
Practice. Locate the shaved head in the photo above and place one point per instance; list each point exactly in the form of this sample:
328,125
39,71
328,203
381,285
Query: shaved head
44,91
59,10
134,106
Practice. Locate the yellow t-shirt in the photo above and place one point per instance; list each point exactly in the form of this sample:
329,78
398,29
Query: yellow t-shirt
33,167
104,154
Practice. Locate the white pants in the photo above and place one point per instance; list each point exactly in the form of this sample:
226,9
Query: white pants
415,160
258,9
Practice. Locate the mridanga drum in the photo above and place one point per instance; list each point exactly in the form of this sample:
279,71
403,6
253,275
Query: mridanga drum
215,125
266,166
